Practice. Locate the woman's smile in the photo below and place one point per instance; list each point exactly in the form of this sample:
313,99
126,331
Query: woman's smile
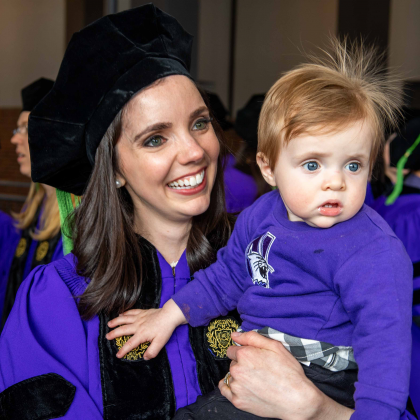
189,184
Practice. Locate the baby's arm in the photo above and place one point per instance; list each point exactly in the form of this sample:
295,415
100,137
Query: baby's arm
213,292
375,288
153,325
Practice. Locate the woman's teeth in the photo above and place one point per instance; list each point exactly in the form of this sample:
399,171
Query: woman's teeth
188,182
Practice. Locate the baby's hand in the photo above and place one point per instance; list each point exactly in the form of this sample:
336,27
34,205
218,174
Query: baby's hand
153,325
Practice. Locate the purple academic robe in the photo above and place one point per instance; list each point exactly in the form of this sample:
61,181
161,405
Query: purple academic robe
404,218
44,333
240,188
9,239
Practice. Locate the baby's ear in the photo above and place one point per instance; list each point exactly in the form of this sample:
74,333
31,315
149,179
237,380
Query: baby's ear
266,171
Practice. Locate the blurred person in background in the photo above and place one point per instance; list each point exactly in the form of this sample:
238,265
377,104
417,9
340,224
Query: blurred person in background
243,180
401,209
32,237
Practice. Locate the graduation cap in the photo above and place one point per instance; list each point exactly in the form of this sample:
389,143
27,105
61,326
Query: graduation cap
404,154
246,124
105,64
35,92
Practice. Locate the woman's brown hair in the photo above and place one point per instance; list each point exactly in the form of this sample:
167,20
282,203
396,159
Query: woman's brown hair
105,244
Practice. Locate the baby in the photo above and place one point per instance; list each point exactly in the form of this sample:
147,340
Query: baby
309,264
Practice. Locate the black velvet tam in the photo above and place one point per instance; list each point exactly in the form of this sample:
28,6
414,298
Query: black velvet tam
404,141
246,124
105,64
32,94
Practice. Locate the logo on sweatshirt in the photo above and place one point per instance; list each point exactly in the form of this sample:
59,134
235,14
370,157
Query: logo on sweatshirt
257,259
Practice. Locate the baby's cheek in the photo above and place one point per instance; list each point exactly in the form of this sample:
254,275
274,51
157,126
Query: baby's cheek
298,201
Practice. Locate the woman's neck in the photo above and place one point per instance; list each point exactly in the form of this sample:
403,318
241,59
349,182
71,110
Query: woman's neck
49,191
170,238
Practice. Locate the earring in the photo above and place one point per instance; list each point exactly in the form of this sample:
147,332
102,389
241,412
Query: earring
118,183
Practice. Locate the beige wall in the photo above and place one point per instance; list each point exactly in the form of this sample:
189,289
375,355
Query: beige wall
270,34
214,47
404,37
31,44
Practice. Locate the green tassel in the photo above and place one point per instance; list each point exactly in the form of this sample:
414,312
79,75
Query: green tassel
400,176
66,207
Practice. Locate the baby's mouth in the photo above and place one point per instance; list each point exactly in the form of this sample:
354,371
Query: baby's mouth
188,182
331,208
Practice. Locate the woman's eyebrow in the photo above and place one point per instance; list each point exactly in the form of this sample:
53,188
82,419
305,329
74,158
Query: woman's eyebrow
198,112
153,127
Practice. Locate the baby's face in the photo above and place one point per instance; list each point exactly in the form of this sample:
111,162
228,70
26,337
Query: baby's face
322,178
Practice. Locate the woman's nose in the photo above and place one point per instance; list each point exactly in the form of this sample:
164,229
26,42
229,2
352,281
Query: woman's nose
190,150
334,180
16,138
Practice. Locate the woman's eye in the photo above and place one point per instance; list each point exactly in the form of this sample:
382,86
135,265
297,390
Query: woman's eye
154,141
353,167
201,124
311,166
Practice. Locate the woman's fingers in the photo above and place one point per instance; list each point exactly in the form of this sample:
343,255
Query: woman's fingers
225,390
253,339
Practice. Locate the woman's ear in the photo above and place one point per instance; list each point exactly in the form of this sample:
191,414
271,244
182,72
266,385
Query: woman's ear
266,171
119,181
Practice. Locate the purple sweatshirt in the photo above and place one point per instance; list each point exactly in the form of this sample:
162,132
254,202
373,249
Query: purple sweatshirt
349,285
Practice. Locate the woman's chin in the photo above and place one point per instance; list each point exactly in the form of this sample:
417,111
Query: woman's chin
195,207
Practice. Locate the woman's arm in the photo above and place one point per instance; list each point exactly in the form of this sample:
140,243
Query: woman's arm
269,382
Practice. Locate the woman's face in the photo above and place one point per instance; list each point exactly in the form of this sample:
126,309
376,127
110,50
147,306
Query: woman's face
20,140
167,152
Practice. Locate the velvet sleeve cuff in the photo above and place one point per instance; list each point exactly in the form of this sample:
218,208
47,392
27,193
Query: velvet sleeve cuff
37,398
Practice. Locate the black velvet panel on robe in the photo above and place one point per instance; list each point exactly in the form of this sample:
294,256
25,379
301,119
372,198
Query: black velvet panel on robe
39,398
140,389
137,389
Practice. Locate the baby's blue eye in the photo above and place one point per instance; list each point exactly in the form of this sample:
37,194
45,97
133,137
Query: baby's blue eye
154,141
353,167
311,166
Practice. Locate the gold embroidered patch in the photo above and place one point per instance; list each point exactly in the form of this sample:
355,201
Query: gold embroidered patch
218,335
134,354
42,250
20,248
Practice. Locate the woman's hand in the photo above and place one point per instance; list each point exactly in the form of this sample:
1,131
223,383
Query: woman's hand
153,325
269,382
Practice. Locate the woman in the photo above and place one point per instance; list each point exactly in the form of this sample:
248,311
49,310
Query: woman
148,165
36,239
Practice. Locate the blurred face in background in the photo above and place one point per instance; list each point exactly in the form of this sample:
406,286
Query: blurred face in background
20,140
